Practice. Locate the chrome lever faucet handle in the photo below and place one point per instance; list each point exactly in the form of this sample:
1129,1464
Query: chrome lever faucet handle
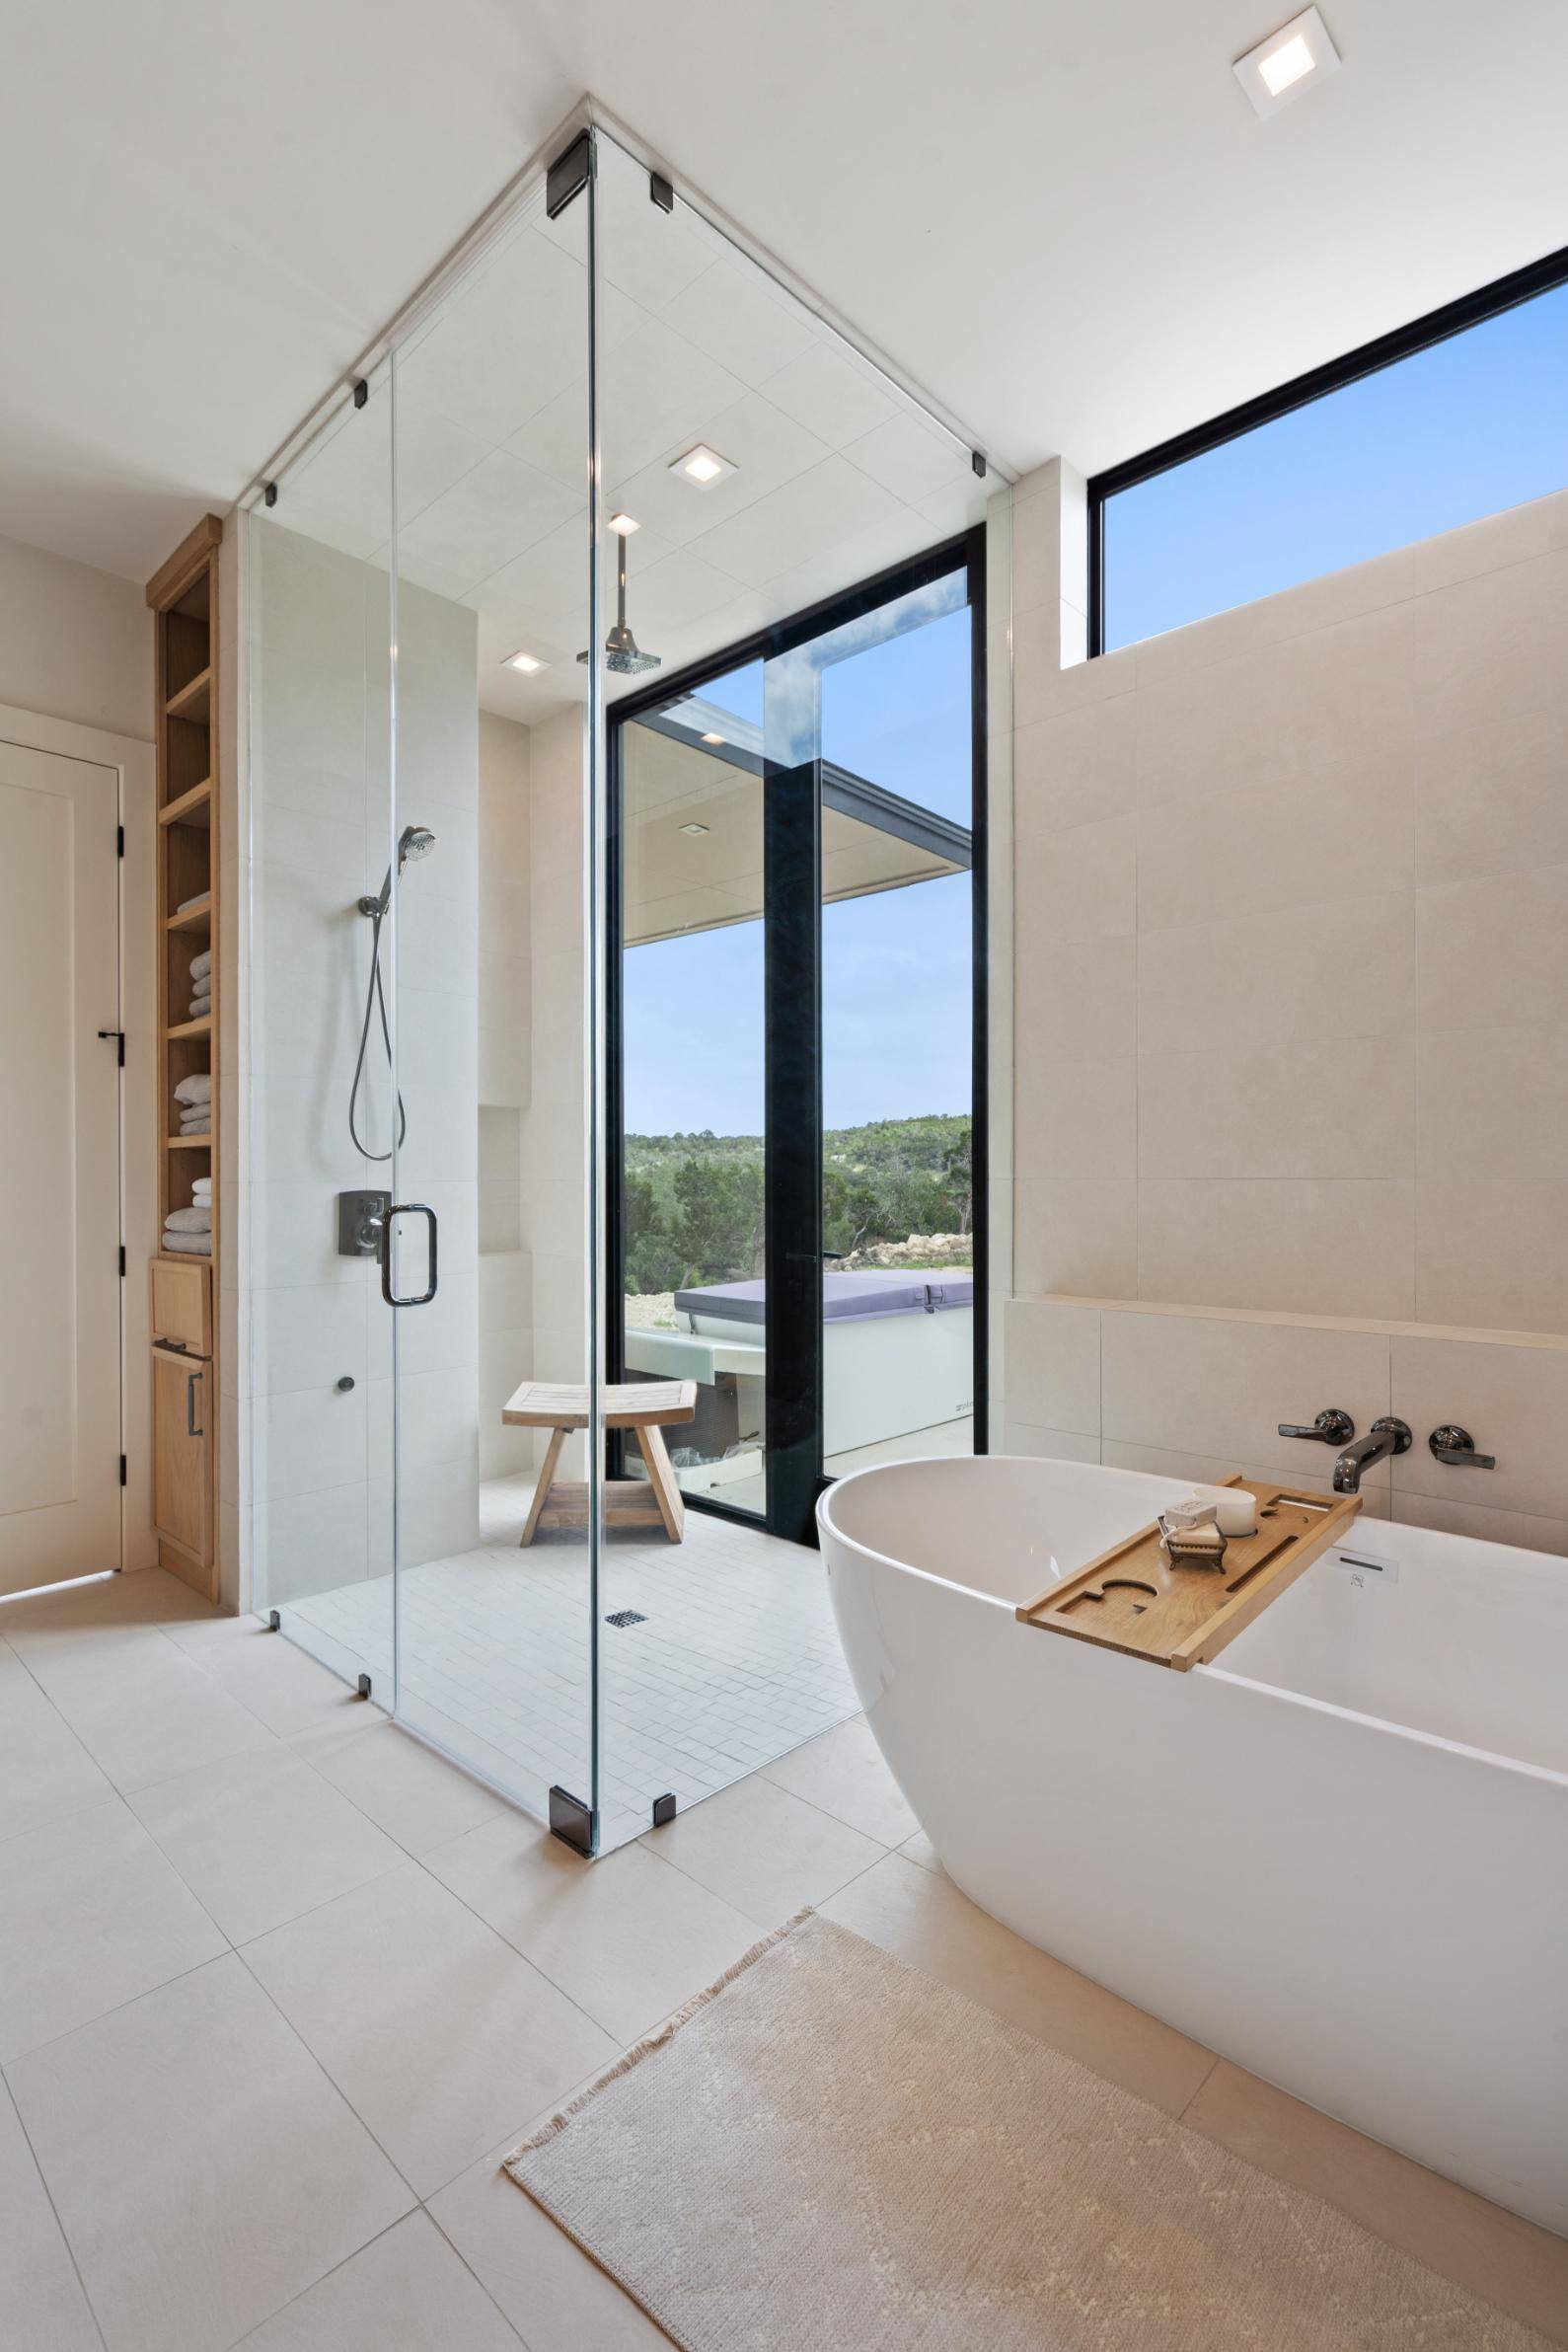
1456,1447
1332,1427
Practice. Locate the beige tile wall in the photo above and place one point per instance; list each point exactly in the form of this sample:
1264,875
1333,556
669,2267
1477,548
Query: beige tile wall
1291,913
1197,1392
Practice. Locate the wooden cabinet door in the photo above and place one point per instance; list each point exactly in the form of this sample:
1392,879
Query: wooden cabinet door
181,1429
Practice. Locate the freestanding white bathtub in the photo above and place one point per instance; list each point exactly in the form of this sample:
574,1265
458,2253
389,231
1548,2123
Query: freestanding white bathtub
1339,1856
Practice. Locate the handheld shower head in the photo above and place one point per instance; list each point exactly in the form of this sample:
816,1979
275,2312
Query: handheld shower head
418,842
415,840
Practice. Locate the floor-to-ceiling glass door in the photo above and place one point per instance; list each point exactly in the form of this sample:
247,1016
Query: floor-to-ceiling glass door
422,1094
796,1051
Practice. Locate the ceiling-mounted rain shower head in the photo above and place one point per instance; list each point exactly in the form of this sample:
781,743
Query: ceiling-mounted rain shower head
621,650
415,840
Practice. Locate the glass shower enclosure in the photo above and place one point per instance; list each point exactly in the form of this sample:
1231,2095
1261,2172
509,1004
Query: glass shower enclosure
605,443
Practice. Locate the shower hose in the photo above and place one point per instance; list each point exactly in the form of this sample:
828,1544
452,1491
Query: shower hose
375,1001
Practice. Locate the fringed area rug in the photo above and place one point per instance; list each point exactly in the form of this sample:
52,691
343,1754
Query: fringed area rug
829,2152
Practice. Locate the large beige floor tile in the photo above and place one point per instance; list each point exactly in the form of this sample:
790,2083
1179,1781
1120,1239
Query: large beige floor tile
416,1795
42,2302
289,1692
441,2037
90,1915
556,2299
764,1850
843,1773
142,1709
922,1918
630,1939
407,2292
262,1839
1494,2254
205,2170
148,1597
45,1770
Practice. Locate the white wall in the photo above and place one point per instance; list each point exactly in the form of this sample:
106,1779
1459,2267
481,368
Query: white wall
321,1465
1292,1039
75,644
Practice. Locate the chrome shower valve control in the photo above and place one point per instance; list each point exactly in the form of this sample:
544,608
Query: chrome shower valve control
1332,1427
1456,1447
360,1218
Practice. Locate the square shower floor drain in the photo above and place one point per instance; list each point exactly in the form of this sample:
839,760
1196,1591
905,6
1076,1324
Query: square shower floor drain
626,1617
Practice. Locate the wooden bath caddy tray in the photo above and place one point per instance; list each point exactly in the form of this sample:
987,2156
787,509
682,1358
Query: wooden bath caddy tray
1137,1600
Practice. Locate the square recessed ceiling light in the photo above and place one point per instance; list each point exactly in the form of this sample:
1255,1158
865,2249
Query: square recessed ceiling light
694,830
1295,58
702,466
624,524
526,663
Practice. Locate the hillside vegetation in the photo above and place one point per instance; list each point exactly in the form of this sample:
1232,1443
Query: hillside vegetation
694,1204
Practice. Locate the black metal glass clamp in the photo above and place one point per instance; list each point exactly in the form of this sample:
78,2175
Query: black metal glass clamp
406,1208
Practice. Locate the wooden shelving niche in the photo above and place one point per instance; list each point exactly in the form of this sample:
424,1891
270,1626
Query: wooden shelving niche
184,596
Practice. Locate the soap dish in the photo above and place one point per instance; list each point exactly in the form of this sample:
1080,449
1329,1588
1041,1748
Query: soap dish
1194,1546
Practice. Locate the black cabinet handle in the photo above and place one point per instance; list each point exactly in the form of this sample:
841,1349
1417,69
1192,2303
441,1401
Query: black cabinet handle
191,1430
406,1208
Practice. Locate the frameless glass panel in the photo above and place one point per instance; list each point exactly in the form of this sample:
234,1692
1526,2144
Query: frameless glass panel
321,1099
898,954
754,465
486,1356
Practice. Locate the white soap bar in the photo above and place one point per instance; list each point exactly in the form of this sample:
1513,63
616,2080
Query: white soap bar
1235,1508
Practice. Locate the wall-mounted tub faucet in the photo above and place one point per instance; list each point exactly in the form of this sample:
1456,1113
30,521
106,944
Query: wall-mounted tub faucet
1456,1447
1332,1427
1385,1437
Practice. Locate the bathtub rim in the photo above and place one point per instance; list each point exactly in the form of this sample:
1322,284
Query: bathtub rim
1214,1673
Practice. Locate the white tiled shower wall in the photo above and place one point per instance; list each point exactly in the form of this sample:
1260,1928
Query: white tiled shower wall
321,1460
1291,930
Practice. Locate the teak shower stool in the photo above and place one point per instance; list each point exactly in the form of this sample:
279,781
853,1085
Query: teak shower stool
642,1406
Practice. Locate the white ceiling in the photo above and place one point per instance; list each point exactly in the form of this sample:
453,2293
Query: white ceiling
1062,221
837,474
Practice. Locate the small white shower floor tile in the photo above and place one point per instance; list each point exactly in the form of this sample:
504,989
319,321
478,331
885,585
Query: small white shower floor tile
735,1662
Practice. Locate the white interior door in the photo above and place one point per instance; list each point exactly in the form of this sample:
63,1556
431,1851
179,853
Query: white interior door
59,1169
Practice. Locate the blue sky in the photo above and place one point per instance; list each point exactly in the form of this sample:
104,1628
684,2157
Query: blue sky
1466,428
896,976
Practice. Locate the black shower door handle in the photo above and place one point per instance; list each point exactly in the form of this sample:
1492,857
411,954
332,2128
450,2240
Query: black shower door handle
405,1208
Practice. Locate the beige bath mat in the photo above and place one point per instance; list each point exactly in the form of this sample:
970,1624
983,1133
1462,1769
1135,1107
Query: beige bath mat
832,2153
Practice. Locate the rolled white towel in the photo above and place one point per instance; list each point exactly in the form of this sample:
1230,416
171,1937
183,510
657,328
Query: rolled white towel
197,1088
193,1220
188,1245
202,1189
200,1007
194,900
201,963
195,1127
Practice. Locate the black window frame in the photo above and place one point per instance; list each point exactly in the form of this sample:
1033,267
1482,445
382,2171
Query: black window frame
795,1223
1368,359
